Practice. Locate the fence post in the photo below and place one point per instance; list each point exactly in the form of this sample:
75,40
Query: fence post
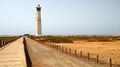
70,50
4,43
97,59
1,44
88,56
75,52
51,45
66,49
59,47
62,49
81,54
9,41
54,46
110,62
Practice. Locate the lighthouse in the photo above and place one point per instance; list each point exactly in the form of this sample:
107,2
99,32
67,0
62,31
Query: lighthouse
38,21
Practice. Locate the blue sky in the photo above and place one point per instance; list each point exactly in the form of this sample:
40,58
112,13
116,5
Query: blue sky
61,17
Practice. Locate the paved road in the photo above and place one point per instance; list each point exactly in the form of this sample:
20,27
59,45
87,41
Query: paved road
43,56
12,55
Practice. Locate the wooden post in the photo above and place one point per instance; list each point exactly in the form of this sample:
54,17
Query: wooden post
88,56
4,43
9,41
54,45
51,45
81,54
75,52
97,59
110,62
62,49
66,49
70,50
1,44
59,47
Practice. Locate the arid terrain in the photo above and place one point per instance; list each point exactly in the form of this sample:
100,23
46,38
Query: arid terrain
105,50
106,46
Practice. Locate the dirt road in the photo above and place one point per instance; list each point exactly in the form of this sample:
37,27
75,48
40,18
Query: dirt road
43,56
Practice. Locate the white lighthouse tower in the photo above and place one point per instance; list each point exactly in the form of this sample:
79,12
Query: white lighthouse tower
38,23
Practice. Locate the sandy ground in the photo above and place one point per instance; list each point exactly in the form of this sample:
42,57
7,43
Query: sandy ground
105,50
44,56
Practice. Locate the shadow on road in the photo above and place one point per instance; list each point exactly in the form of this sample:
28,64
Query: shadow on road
28,60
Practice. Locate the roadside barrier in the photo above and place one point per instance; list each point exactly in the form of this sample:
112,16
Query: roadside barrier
6,41
77,53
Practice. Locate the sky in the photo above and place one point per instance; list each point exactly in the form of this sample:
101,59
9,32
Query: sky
61,17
